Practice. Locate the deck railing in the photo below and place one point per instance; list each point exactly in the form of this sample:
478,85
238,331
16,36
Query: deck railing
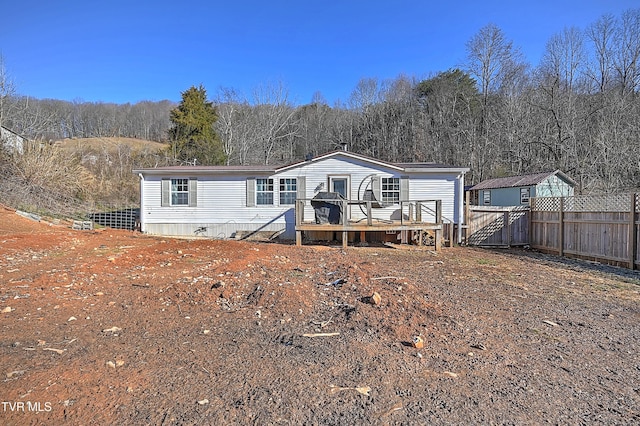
413,208
410,216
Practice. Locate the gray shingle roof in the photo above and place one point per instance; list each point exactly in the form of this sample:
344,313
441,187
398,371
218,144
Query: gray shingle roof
522,180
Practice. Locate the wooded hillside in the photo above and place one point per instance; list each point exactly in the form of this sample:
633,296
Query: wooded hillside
578,110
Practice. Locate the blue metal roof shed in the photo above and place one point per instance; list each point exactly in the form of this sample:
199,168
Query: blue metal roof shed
517,190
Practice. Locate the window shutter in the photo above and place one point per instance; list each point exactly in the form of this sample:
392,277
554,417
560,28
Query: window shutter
404,188
166,192
301,187
251,192
375,188
193,192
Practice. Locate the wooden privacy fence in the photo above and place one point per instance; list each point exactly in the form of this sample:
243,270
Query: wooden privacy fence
493,226
597,227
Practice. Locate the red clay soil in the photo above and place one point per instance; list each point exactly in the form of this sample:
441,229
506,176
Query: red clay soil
115,327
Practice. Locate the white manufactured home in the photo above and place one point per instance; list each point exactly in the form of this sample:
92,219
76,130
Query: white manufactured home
232,201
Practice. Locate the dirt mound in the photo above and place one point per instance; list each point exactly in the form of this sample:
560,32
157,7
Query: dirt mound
116,327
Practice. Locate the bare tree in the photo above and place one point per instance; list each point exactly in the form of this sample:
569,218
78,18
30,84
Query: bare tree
496,64
274,119
7,91
231,126
314,121
626,59
601,35
562,62
491,59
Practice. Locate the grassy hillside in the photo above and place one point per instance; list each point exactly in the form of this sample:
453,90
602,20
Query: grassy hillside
74,175
109,144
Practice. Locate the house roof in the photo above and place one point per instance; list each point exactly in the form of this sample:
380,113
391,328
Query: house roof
208,169
402,167
6,129
521,180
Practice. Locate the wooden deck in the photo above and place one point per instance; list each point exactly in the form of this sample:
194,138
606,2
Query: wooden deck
413,221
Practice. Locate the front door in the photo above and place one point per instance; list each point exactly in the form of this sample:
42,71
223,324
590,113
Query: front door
340,184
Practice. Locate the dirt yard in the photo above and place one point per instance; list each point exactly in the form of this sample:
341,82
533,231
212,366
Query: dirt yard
114,327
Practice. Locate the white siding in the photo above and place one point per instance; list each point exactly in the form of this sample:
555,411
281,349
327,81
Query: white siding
553,186
222,205
12,142
221,209
432,186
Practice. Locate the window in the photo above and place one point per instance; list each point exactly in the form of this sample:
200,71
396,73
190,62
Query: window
179,192
524,195
264,191
288,191
390,190
486,197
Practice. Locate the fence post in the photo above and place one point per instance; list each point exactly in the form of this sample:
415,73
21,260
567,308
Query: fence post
507,226
632,246
561,227
467,218
532,205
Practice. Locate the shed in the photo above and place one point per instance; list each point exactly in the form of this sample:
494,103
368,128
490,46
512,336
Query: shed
517,190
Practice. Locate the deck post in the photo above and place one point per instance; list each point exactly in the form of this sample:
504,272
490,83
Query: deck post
345,222
419,212
439,232
299,213
369,218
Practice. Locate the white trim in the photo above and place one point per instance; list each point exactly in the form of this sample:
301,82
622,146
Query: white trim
341,154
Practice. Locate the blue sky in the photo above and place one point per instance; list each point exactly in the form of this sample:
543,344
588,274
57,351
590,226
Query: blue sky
129,51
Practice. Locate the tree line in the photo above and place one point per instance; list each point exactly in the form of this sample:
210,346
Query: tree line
578,110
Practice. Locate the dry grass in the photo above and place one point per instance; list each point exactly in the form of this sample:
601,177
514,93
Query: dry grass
110,144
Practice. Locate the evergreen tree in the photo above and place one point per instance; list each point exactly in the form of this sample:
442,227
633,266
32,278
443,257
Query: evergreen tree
192,136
